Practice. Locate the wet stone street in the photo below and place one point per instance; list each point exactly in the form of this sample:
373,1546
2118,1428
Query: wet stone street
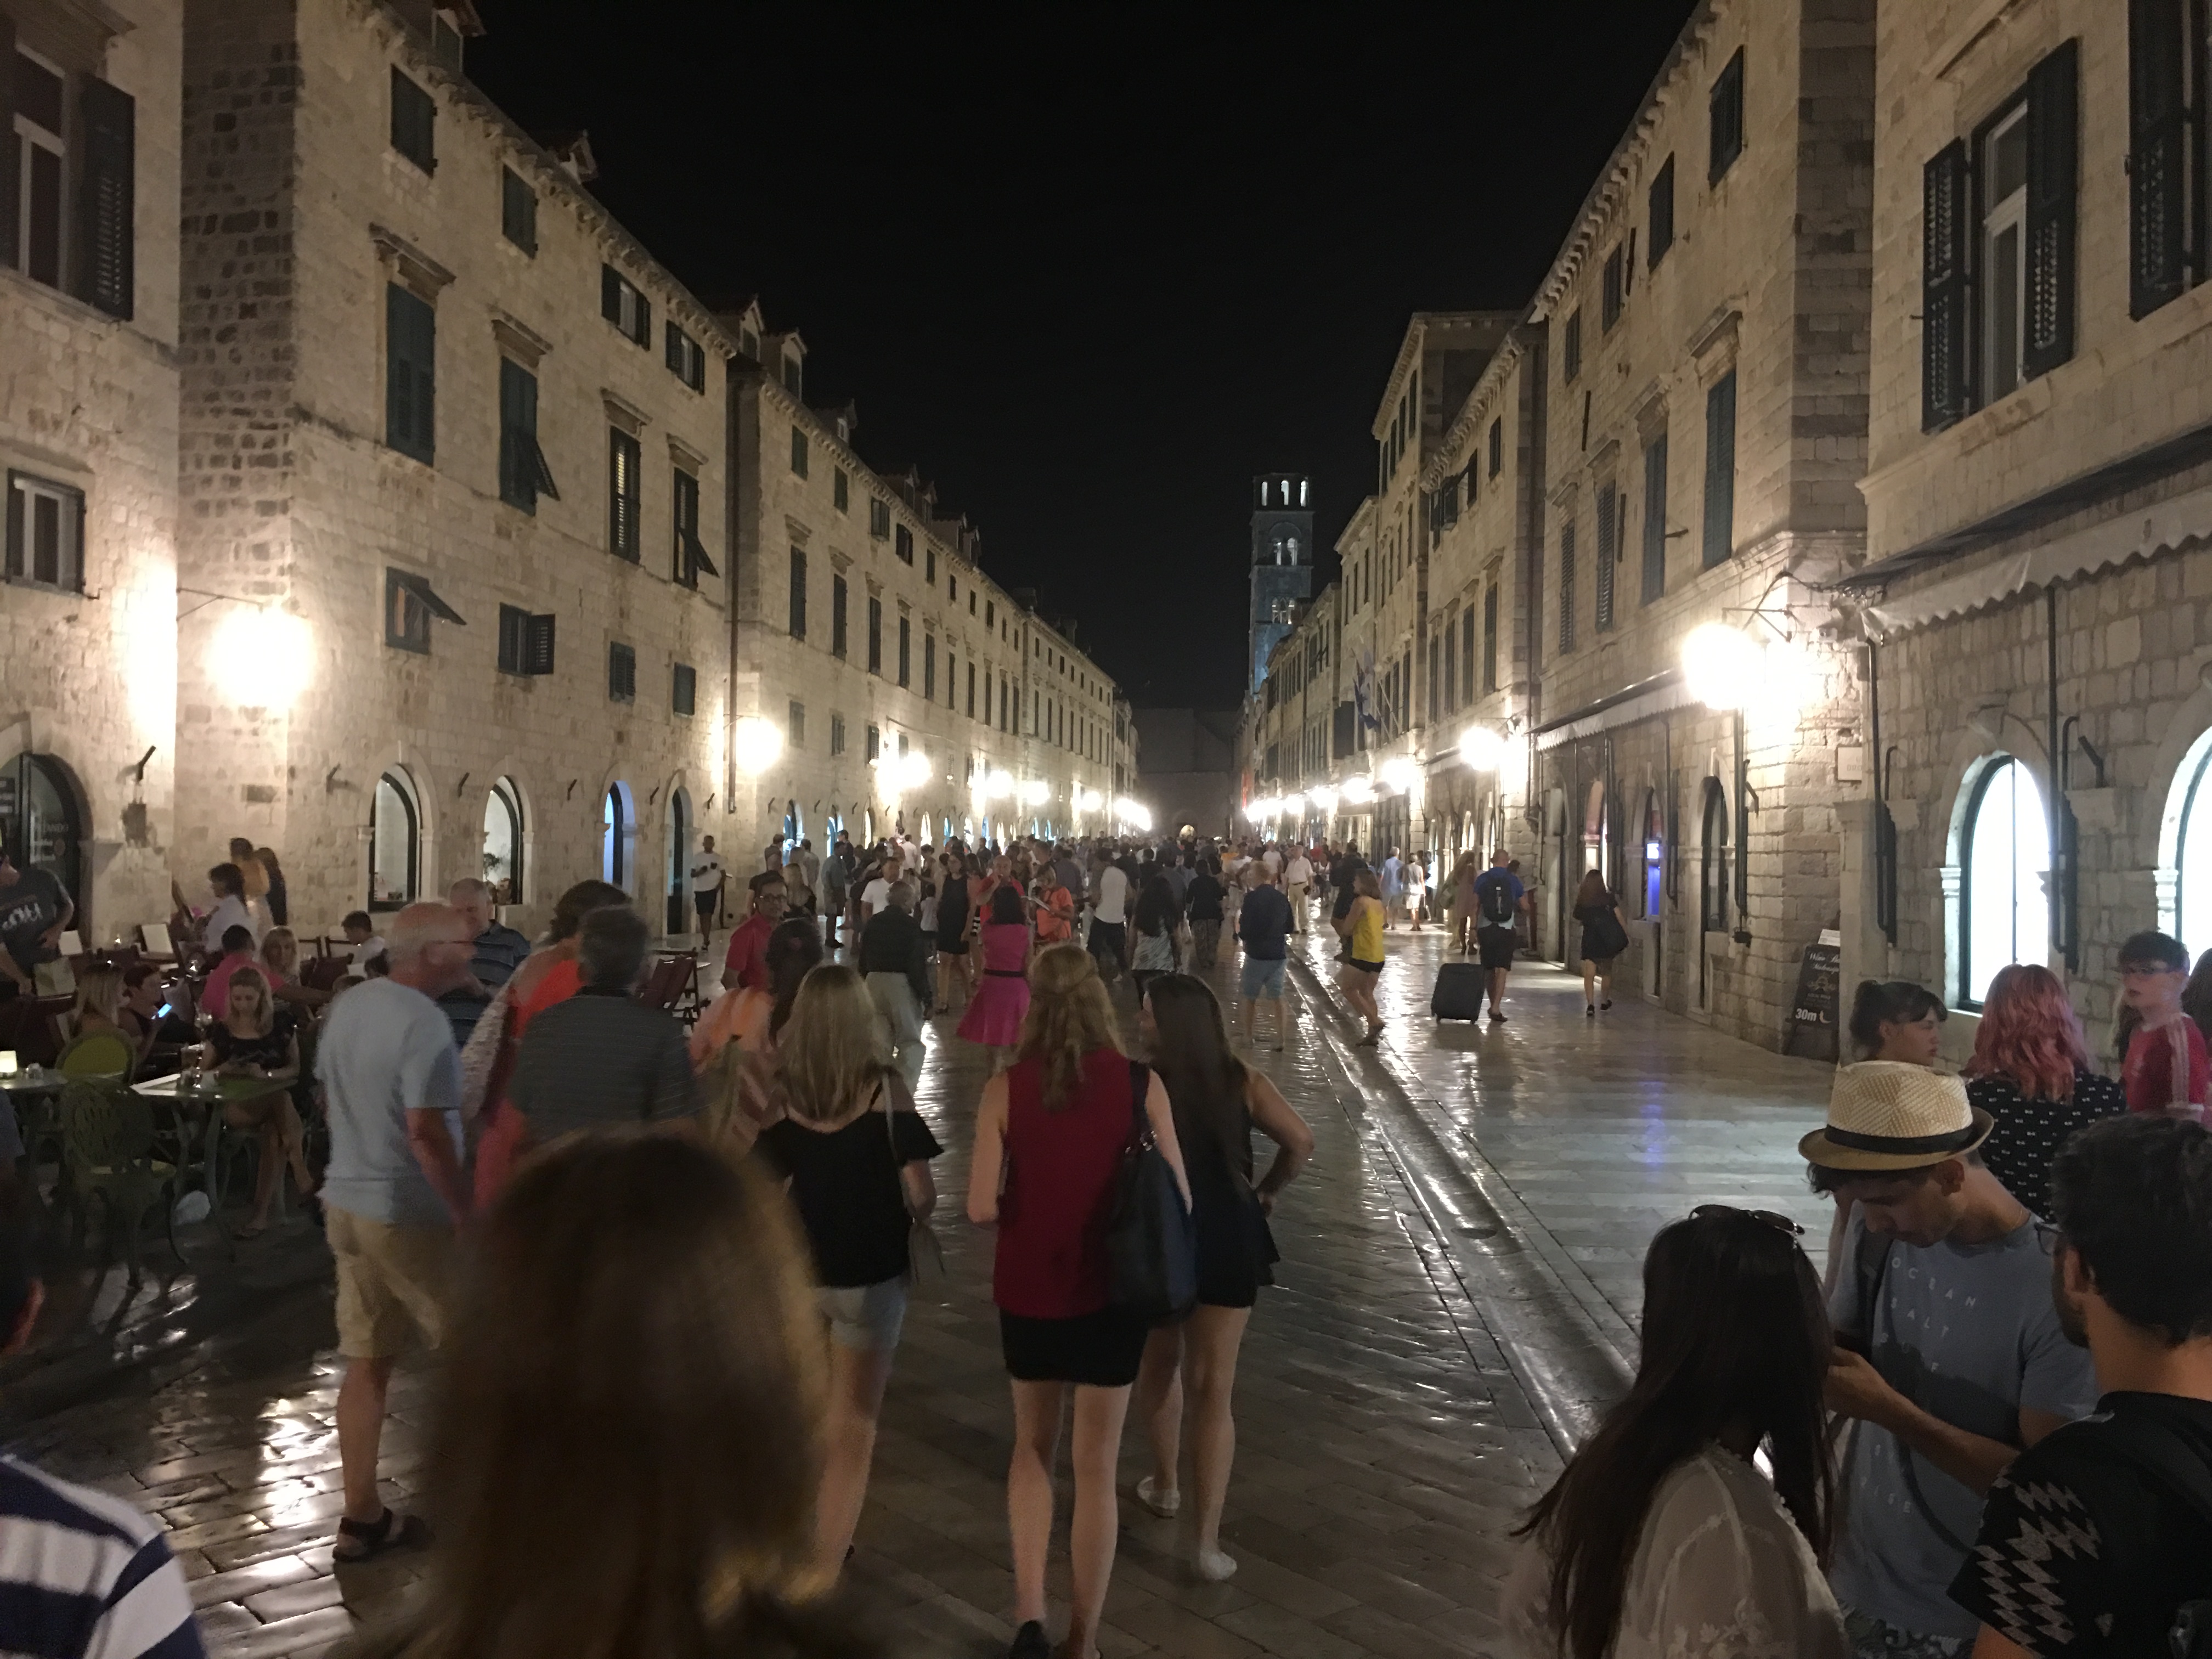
1457,1300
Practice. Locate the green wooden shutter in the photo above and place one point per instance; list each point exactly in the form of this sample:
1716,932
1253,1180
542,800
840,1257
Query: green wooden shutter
1489,638
644,334
2157,142
1946,283
537,646
2053,170
409,374
1608,552
1720,470
518,210
106,198
611,288
517,467
1654,518
11,149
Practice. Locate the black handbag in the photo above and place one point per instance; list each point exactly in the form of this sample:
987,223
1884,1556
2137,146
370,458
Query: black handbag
1151,1247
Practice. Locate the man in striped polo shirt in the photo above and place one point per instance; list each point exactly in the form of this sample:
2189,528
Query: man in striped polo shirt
81,1573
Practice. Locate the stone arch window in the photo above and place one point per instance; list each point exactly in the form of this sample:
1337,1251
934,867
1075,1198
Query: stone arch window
2004,904
618,838
2188,916
395,842
1713,862
42,822
503,847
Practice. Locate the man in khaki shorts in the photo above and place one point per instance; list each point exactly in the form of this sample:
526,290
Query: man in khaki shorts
394,1193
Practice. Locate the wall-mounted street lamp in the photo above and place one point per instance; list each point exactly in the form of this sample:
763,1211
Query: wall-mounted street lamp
754,744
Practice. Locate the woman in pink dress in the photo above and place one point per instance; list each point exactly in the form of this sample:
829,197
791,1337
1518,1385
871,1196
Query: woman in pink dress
1002,991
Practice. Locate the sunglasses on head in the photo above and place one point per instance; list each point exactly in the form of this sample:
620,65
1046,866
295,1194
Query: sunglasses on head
1781,1224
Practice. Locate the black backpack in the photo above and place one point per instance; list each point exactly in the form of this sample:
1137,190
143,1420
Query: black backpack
1497,902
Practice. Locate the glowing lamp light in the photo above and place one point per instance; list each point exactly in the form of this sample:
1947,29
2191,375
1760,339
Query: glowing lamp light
999,785
1133,814
1482,748
1035,791
263,658
1260,810
1724,665
1089,800
1323,797
1399,773
1293,804
914,769
1359,792
755,743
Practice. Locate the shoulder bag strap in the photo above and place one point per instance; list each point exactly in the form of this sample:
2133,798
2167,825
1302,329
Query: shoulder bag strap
2170,1462
1140,1125
1873,1262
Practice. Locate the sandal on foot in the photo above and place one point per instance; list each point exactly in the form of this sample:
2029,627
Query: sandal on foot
1165,1505
389,1531
1214,1565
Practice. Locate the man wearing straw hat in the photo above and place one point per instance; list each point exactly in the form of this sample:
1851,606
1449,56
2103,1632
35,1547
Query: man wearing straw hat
1950,1357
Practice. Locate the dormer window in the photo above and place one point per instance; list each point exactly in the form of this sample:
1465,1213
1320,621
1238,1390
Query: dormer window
748,343
793,376
445,39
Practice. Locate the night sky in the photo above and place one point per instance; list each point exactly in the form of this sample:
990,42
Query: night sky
1093,269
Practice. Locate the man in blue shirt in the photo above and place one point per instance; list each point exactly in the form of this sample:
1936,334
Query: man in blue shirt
1263,924
1498,899
498,951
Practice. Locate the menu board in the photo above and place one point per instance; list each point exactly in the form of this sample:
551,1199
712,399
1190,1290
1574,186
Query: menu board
1812,1011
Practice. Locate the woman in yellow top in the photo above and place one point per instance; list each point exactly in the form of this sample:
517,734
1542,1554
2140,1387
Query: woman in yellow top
1364,964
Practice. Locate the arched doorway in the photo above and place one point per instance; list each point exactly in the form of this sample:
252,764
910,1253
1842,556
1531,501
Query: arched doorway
618,838
2005,905
41,824
679,827
502,842
395,842
1712,881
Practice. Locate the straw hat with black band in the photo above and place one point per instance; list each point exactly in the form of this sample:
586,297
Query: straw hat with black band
1892,1114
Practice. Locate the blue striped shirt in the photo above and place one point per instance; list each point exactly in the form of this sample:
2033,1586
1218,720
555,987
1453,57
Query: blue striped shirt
84,1575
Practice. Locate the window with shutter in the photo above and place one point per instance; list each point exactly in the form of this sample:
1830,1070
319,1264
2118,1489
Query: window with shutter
1497,446
623,461
1724,112
1661,203
929,667
1571,347
836,615
513,638
902,544
622,304
11,152
799,593
410,356
1608,552
1610,297
537,646
414,122
107,197
875,744
621,673
1720,470
45,534
879,519
683,688
875,634
524,475
905,636
1945,287
841,487
35,146
971,691
2158,153
2053,168
1490,638
517,211
1467,652
1654,518
794,726
798,453
690,552
836,734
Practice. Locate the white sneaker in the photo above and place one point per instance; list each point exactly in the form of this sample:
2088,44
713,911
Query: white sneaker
1214,1565
1165,1505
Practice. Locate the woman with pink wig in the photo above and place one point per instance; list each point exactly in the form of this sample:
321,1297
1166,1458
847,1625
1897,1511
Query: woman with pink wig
2031,1072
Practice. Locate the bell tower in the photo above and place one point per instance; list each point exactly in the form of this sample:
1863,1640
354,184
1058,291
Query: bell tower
1282,560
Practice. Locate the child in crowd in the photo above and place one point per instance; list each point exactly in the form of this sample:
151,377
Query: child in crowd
362,937
2165,1068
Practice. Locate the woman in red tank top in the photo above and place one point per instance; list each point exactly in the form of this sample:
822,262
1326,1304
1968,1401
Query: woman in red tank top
1049,1136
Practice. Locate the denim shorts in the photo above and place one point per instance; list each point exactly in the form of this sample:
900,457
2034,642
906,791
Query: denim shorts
865,1317
1263,980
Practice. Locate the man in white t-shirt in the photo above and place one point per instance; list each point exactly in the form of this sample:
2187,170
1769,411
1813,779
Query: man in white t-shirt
877,895
706,883
1297,880
1109,921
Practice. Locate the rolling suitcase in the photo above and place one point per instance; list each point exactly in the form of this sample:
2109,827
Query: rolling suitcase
1460,990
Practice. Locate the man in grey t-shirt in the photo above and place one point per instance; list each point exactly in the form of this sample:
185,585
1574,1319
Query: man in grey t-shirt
1951,1359
393,1193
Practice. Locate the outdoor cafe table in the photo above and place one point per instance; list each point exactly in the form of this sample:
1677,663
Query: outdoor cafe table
213,1092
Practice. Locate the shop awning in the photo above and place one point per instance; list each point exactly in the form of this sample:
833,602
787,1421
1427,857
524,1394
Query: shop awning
2168,527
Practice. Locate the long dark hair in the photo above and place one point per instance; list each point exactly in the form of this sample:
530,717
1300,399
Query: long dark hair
1204,1079
579,901
1007,907
1880,1002
1156,911
1735,1337
792,951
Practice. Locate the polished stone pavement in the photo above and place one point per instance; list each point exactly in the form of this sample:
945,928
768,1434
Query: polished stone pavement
1385,1443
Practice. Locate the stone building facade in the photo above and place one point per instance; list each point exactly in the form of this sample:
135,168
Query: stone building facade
489,517
1669,439
910,688
2037,605
88,114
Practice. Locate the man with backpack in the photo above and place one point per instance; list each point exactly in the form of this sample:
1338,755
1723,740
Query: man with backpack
2098,1538
1498,901
1950,1359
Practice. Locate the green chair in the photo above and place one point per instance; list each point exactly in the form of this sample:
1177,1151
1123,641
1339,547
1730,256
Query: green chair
107,1144
99,1055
